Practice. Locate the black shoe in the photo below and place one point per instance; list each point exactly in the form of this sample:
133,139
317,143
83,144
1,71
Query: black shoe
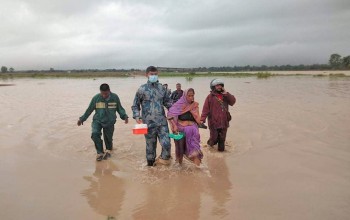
106,155
99,157
150,163
202,126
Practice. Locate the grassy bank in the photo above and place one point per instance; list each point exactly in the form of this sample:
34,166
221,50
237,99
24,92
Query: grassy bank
65,74
97,74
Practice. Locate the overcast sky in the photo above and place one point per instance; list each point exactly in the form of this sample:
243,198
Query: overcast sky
84,34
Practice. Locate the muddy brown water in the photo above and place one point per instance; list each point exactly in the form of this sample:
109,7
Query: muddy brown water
287,157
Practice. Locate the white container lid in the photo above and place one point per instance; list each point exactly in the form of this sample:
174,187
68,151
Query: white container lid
139,126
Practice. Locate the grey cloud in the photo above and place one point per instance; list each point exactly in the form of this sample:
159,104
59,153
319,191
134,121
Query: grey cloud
135,33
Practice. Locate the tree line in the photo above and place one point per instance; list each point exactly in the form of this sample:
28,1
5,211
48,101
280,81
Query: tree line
338,62
335,62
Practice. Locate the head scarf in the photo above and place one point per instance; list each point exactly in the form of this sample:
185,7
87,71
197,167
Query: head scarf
182,106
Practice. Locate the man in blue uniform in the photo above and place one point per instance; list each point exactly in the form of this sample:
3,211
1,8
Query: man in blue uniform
148,108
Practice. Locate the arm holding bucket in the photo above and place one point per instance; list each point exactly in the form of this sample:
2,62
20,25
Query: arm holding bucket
173,125
136,107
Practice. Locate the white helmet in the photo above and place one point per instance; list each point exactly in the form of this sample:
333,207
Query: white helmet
215,82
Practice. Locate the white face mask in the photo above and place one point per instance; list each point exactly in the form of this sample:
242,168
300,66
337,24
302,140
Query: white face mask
153,78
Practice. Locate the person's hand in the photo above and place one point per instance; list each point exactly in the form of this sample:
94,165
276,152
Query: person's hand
174,129
126,121
79,122
138,121
224,92
202,125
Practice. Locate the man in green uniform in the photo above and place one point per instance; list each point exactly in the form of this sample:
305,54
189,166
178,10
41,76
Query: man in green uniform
105,104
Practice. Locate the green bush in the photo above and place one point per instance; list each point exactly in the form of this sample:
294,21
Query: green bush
261,75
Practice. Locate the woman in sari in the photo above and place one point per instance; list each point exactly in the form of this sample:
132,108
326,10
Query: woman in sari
184,117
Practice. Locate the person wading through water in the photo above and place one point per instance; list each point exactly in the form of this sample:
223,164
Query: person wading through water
148,107
177,94
105,104
216,109
184,117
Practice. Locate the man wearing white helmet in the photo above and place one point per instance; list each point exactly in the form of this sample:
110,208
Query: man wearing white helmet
216,108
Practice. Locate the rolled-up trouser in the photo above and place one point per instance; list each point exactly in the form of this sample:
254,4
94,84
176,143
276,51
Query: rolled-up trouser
217,136
107,136
162,133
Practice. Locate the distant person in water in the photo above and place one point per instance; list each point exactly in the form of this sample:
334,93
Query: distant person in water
216,109
177,94
105,104
184,117
168,93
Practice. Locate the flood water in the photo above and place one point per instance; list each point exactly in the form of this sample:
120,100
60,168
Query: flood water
287,154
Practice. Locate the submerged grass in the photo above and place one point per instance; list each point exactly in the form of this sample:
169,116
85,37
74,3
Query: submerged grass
319,75
263,75
338,75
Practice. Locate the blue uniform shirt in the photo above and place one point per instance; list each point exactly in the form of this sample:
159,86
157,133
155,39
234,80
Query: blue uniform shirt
150,99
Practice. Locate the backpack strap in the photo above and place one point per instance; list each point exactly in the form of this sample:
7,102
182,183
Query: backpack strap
221,103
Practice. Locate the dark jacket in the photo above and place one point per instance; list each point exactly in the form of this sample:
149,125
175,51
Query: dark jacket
217,116
176,95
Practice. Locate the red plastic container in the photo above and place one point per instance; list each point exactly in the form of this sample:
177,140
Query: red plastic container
140,129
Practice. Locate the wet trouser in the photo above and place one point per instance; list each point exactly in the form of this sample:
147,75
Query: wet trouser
217,136
107,136
162,133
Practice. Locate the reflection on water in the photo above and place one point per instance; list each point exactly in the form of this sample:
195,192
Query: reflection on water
187,195
106,191
219,186
177,199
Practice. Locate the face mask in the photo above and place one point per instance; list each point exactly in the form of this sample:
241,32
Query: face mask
153,78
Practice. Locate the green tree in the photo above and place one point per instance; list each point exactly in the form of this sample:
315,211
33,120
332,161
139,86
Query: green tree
335,61
346,62
11,69
3,69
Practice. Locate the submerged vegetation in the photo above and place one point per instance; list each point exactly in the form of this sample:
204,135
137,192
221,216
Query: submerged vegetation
337,75
263,75
319,75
